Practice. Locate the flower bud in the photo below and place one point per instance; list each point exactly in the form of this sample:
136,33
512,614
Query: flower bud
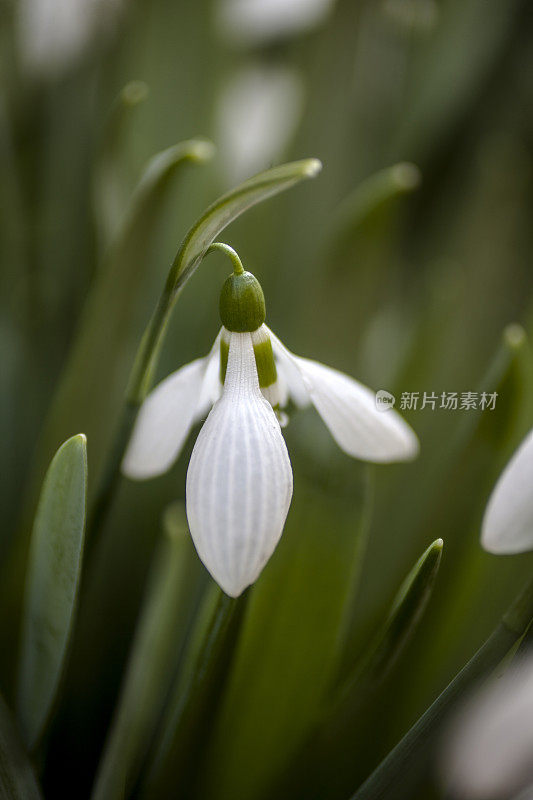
242,303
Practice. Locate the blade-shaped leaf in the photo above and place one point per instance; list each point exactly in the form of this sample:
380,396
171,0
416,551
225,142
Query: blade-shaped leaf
328,755
289,648
17,779
370,196
194,700
407,609
52,582
394,776
153,660
110,187
109,328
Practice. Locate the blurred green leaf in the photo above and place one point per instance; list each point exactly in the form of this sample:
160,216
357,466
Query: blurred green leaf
195,697
327,757
290,646
452,69
17,779
407,609
153,661
393,777
110,187
100,356
474,455
369,197
52,583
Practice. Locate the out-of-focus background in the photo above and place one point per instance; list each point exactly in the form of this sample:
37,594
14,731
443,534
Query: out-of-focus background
402,264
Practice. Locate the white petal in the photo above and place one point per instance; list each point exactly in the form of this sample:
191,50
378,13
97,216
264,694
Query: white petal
508,522
239,481
289,372
164,421
211,385
490,746
348,408
169,412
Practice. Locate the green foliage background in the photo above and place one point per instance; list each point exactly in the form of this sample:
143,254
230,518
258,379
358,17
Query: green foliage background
406,288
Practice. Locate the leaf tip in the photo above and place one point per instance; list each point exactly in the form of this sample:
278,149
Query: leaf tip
202,150
514,336
134,92
406,176
311,167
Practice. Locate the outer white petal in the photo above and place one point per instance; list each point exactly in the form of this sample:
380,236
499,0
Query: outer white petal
168,413
508,522
348,408
239,482
211,385
164,421
289,372
489,753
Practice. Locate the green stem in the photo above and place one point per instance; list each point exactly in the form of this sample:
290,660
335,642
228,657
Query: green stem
140,381
238,268
195,701
389,779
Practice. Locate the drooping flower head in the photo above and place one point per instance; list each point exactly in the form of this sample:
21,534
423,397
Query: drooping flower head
239,480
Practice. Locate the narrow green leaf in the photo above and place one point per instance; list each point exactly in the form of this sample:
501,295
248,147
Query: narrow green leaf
231,205
154,657
52,582
371,195
389,780
110,186
474,454
17,779
108,331
195,697
290,645
195,245
406,612
327,755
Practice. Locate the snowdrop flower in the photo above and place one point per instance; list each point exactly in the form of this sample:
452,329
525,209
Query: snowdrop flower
508,522
239,481
489,751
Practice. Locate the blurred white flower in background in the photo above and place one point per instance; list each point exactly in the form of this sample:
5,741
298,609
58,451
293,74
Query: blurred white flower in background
256,22
508,522
54,34
489,751
258,112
